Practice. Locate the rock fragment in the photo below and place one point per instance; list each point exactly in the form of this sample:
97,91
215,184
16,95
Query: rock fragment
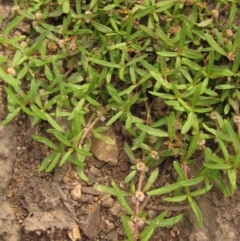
105,152
107,201
91,222
74,234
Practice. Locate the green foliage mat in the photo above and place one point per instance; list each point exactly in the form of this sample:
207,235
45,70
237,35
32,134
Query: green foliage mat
167,70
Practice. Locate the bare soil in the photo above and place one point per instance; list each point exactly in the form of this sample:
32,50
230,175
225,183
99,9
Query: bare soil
45,206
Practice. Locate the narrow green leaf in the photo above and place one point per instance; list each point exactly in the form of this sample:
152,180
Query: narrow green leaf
136,60
65,157
39,112
114,118
236,160
224,150
83,152
162,95
205,23
192,182
129,152
47,160
66,6
23,71
151,180
116,46
165,2
129,103
192,65
121,199
148,235
182,39
105,63
185,105
163,190
60,137
164,37
170,221
188,124
233,135
10,116
193,145
127,91
236,39
201,191
191,54
146,30
218,166
172,152
167,54
222,185
215,45
130,176
225,87
232,176
126,220
175,199
196,95
217,133
232,14
53,123
100,27
53,163
108,190
45,141
152,225
151,131
8,78
143,11
81,174
16,20
139,140
212,157
159,78
179,169
171,126
196,210
105,139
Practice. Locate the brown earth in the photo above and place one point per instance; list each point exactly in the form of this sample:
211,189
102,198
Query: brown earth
59,206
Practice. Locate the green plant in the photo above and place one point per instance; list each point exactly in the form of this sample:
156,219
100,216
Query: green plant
168,70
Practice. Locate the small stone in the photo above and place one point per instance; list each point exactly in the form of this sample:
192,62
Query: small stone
108,226
112,235
107,201
172,234
90,190
105,152
74,234
94,175
24,27
91,223
152,214
116,210
5,11
76,192
86,198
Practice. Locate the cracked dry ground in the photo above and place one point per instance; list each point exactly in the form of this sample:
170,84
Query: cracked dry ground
48,207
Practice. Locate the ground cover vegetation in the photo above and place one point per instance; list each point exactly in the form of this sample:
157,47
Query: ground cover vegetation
167,70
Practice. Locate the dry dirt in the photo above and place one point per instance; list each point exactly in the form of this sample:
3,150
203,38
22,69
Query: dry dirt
46,207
